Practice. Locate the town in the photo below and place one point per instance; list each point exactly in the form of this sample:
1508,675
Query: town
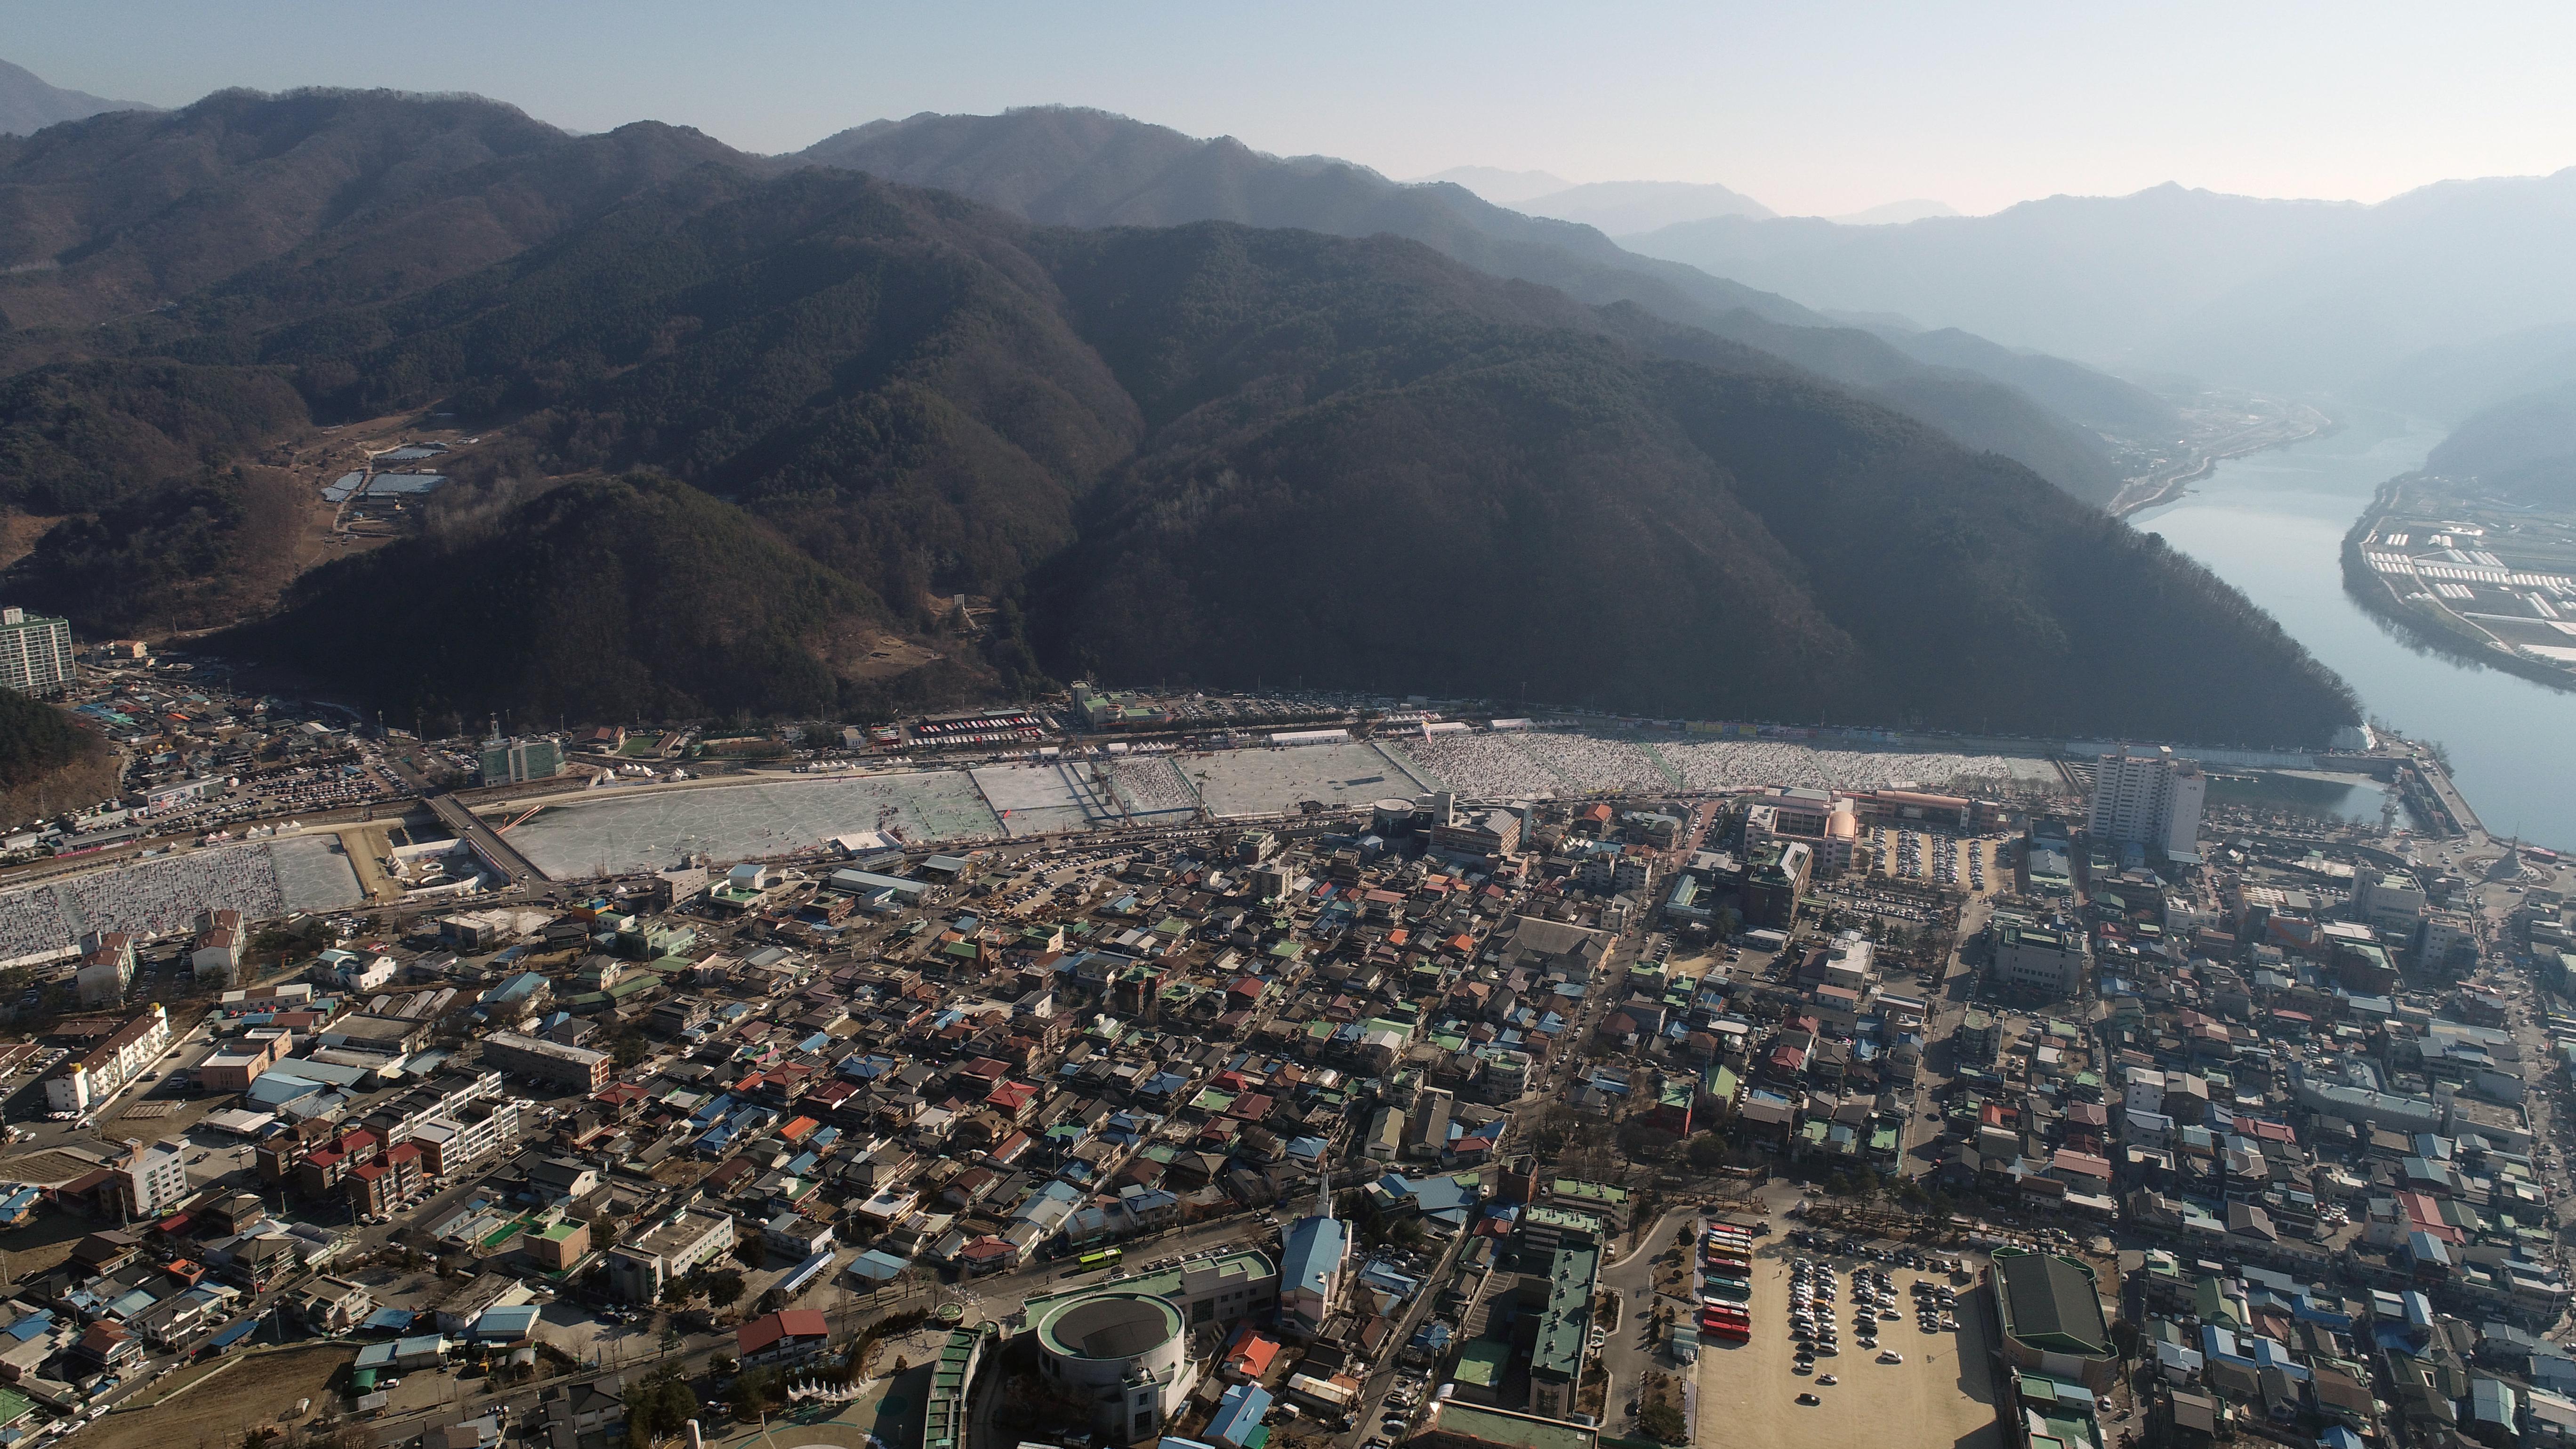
1124,1068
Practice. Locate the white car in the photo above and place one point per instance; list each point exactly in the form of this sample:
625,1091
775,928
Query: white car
1891,1356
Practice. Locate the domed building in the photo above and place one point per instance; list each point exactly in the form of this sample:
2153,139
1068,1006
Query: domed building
1126,1351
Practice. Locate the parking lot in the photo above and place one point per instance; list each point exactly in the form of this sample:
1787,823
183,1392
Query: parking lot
1940,1395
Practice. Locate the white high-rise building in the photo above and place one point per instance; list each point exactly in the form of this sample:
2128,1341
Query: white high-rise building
2150,798
35,652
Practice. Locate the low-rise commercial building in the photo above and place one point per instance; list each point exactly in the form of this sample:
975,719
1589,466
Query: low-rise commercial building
679,1247
548,1061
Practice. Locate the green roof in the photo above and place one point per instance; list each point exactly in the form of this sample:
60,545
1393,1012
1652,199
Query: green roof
1501,1427
1541,1215
1559,1348
506,1232
1600,1192
2051,1303
1482,1361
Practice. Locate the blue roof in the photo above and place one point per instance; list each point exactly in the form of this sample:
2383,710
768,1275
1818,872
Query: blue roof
387,1320
803,1273
32,1326
1239,1413
507,1324
237,1333
1312,1254
877,1265
523,984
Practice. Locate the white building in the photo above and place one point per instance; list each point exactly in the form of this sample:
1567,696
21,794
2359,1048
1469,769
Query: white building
35,652
457,1139
2392,899
2035,959
156,1177
2146,1091
1124,1352
2446,934
2150,798
352,970
104,1069
637,1270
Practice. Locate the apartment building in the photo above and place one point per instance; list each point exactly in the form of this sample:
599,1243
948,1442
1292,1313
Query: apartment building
637,1270
548,1061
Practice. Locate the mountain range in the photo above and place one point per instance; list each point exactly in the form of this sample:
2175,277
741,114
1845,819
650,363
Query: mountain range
1619,207
1171,409
1623,207
29,105
2522,449
2455,294
1089,168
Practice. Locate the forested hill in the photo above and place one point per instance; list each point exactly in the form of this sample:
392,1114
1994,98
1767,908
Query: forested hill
1207,452
247,210
2523,449
1218,454
47,763
1089,168
606,598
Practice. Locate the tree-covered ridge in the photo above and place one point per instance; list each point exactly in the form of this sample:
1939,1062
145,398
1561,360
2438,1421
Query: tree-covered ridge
635,597
1421,479
37,739
86,435
1209,452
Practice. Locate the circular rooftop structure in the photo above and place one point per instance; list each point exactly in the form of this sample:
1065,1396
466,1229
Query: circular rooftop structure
1115,1325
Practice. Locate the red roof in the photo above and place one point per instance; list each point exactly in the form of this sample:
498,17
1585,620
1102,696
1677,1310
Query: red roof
768,1330
1251,1353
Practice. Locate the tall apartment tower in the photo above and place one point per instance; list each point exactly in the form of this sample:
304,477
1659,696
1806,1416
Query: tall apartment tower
2150,798
35,652
513,762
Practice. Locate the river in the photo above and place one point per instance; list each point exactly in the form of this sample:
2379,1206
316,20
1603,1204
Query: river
2272,523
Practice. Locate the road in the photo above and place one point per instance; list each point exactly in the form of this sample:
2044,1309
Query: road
486,842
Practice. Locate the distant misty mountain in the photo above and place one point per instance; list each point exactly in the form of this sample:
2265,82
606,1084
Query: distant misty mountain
1620,207
2452,381
1501,187
1893,213
28,105
2523,448
2069,389
2290,295
1075,167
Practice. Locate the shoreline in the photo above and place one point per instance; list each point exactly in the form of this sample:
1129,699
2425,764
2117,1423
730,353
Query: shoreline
2427,629
2173,488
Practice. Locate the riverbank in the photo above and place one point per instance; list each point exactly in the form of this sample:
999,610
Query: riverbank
2273,525
2433,627
2172,487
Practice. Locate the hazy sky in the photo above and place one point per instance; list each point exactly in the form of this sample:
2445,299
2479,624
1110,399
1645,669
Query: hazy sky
1811,108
